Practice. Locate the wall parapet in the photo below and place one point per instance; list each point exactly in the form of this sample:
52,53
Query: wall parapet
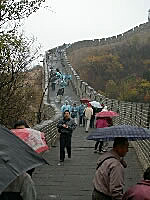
130,113
50,111
109,40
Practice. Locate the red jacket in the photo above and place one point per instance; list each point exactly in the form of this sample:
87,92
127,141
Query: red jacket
141,191
101,123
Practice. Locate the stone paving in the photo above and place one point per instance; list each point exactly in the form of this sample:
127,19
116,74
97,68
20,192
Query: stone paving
73,180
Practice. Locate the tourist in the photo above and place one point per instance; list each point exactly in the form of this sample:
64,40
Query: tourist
81,114
65,127
141,191
109,177
88,114
65,107
21,124
101,122
92,125
74,113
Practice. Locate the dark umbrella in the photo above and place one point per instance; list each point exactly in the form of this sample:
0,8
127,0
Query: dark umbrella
16,157
109,133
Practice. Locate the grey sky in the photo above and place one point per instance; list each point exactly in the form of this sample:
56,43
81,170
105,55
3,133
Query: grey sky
74,20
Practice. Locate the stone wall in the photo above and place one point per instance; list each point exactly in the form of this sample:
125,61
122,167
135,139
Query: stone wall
114,39
137,114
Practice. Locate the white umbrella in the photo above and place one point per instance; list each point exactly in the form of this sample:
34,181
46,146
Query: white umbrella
105,108
95,104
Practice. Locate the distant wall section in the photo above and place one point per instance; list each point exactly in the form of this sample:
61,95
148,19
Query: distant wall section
114,39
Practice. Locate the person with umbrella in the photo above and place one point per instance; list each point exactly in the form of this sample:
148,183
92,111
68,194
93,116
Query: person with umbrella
104,119
93,117
96,106
101,122
108,181
16,158
19,129
21,124
65,127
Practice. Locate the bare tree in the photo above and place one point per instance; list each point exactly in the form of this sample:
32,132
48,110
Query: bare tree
15,10
16,54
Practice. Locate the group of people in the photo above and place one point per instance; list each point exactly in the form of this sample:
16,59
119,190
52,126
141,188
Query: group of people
108,181
83,115
59,79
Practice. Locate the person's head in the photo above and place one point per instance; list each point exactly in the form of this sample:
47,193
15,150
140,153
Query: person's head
74,105
57,70
147,174
120,146
21,124
66,102
67,114
89,105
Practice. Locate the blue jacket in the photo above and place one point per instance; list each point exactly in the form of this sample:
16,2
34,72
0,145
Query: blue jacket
65,107
63,84
81,109
74,112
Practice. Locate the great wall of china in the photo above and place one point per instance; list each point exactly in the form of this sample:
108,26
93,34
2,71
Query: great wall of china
131,113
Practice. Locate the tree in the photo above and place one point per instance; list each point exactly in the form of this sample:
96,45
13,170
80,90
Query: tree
111,89
16,55
15,10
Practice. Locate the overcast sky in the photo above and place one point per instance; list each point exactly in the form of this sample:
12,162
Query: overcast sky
75,20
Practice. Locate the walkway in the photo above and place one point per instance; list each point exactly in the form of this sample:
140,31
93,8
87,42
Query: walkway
73,181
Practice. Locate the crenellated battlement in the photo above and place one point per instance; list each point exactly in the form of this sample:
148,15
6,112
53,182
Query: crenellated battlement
114,39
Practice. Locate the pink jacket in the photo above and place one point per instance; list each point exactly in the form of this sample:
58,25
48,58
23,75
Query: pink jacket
101,123
140,191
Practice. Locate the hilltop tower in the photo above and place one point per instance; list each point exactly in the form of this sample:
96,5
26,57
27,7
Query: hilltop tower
149,15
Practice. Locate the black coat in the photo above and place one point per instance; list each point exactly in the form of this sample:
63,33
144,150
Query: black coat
71,126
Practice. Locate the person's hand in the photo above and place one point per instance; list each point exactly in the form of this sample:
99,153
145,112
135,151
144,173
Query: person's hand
64,125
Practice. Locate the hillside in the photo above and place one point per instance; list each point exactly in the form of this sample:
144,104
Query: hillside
22,99
119,70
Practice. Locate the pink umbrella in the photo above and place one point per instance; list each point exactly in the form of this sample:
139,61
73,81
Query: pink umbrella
35,139
107,114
